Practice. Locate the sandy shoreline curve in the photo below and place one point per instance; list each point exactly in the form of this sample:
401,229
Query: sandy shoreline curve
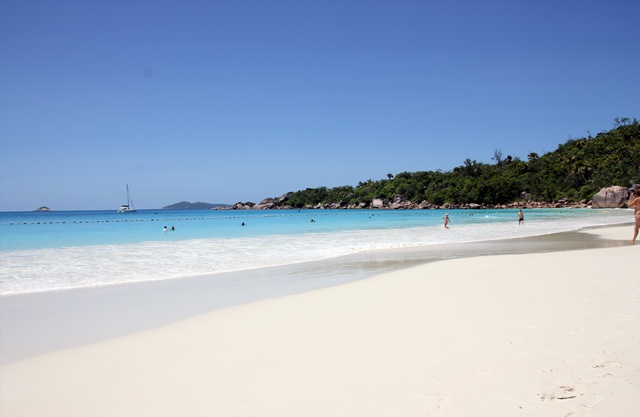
30,322
553,334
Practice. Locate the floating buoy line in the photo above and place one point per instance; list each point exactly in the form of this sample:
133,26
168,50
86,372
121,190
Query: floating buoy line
248,217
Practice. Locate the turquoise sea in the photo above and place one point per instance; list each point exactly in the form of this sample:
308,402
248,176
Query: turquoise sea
44,251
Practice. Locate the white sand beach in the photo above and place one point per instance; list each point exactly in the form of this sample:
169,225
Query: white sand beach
548,334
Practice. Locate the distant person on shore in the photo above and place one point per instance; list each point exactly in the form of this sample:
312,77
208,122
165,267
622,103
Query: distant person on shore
520,218
446,221
634,202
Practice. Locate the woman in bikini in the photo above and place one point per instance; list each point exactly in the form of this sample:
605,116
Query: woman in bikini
634,201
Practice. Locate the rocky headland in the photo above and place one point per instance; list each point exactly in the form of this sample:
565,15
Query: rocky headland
610,197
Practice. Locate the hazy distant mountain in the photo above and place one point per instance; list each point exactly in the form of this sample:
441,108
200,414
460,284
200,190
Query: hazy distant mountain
185,205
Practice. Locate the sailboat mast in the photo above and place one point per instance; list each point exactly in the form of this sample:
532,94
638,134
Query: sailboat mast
129,199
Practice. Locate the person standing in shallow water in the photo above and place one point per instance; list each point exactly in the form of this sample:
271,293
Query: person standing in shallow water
446,221
520,218
634,202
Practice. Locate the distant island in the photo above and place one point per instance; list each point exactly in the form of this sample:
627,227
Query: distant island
43,208
185,205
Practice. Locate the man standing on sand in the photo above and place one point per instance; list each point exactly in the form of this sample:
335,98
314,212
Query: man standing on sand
520,218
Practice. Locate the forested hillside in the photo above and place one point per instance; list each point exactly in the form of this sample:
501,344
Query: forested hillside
575,171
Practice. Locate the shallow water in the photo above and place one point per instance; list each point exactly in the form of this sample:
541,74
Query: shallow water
63,250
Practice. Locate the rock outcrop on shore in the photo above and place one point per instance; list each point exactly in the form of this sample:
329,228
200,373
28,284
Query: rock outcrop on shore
611,197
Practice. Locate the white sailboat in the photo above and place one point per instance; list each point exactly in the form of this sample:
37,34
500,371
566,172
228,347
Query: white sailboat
127,208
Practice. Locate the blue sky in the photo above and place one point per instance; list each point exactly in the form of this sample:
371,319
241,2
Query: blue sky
227,101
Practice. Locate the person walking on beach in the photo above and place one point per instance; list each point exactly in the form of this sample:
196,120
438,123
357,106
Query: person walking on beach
634,201
520,218
446,221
